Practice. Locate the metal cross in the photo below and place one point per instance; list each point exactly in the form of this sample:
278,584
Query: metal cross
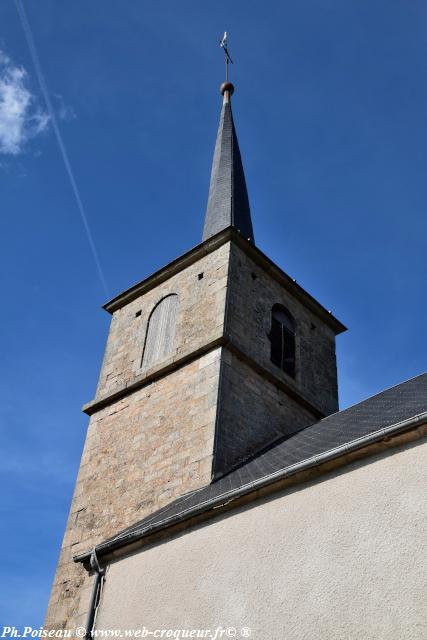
223,44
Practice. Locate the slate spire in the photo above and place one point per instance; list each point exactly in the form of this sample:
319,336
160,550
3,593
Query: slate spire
228,203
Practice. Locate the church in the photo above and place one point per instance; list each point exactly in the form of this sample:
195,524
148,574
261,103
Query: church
221,492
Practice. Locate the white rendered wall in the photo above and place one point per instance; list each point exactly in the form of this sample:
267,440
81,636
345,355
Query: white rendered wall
341,558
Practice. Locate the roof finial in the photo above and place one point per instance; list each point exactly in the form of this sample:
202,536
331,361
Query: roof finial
226,88
224,44
228,202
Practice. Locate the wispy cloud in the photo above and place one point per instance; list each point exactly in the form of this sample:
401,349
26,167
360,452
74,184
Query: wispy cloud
20,116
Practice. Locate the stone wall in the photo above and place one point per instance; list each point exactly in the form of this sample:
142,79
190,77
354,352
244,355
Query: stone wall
140,453
200,319
157,442
252,413
253,292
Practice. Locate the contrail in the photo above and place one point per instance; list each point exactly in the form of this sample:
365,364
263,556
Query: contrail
43,87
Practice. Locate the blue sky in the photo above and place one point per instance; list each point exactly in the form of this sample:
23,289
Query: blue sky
330,108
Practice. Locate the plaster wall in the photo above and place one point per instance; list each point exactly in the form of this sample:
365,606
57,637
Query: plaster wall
341,557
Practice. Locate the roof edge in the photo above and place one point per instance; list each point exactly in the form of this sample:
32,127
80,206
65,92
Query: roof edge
289,283
162,274
210,245
129,537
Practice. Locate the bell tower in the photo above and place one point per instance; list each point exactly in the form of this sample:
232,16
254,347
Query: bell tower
208,361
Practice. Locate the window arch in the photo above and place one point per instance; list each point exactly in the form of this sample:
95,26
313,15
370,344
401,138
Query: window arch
282,339
160,336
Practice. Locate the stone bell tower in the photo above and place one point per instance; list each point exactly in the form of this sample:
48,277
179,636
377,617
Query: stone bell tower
208,361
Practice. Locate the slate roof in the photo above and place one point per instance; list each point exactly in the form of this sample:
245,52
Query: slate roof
393,410
228,203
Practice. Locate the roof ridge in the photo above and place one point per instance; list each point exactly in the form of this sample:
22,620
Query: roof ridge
282,438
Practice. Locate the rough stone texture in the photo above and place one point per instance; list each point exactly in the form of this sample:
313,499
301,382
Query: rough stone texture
251,297
157,442
341,557
200,319
140,453
252,413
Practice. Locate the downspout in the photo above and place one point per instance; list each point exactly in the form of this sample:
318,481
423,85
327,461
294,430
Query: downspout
96,594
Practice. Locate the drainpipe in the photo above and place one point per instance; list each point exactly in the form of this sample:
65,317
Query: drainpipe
96,593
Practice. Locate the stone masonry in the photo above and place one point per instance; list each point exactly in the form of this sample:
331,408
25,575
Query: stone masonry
254,410
157,434
149,447
253,292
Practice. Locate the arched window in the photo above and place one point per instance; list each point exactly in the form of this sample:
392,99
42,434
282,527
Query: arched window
282,339
160,337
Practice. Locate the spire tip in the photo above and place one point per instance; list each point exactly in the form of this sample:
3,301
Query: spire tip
226,86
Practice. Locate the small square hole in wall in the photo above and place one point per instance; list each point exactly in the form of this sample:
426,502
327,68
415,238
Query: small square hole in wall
254,276
138,313
200,276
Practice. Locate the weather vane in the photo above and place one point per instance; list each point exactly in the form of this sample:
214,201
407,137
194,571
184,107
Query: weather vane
223,44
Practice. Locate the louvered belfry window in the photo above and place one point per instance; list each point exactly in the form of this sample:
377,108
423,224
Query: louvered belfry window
282,339
160,337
